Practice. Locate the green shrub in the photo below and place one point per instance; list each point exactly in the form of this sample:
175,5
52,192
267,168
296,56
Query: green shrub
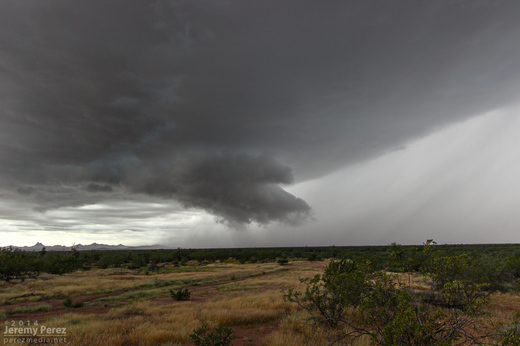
328,297
282,260
313,256
221,336
510,334
18,264
181,294
61,263
512,265
4,313
67,303
354,301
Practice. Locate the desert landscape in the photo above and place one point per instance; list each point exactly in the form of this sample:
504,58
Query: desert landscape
147,305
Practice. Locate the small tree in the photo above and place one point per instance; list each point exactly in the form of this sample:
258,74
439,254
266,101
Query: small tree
282,260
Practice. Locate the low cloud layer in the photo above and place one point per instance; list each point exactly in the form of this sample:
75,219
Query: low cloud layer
237,188
220,105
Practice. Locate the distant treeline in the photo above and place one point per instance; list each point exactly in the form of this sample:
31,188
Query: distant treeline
499,262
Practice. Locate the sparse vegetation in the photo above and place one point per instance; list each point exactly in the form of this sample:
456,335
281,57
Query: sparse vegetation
384,292
68,304
180,295
221,336
356,300
4,314
509,333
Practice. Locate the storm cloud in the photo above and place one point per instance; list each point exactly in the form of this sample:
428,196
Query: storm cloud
220,105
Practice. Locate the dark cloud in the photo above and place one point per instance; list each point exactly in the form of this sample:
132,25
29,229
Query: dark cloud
238,188
26,190
217,103
98,188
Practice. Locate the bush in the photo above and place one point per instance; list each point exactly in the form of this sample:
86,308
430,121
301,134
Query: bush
17,264
355,301
221,336
180,294
328,297
67,303
283,260
61,263
510,334
512,265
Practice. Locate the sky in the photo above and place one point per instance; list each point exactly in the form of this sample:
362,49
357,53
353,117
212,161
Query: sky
259,123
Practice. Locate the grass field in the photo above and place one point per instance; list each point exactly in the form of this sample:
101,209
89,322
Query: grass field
128,307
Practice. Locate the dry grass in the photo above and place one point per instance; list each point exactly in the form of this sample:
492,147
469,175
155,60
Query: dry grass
105,281
149,323
248,295
295,331
245,309
244,297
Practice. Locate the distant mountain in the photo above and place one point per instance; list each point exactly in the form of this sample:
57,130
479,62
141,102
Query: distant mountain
94,246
